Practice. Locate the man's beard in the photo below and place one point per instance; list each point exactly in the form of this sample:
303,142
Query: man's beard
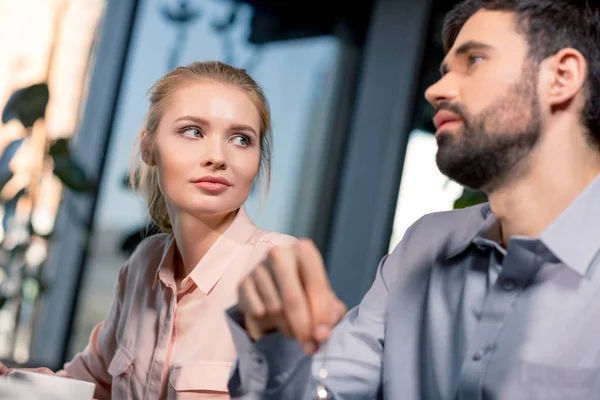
494,145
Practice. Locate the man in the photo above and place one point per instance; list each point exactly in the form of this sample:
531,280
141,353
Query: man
497,301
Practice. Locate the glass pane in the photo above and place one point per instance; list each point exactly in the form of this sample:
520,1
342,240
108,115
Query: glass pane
300,77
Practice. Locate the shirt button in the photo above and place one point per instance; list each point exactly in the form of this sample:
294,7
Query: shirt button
478,355
258,359
508,284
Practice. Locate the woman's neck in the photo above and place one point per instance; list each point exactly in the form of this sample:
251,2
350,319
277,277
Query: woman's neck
195,237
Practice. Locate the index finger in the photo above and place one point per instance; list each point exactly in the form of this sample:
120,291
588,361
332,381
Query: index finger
282,265
322,300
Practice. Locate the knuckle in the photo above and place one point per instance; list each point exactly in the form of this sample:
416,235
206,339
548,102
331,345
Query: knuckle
245,283
256,273
301,333
243,287
318,293
306,246
260,276
274,308
304,243
279,257
243,305
292,301
273,256
257,313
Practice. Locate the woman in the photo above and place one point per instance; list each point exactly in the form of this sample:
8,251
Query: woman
205,142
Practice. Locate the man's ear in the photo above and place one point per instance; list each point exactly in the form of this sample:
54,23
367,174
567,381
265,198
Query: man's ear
568,74
147,149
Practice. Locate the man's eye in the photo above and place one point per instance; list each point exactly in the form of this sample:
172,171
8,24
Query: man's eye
473,59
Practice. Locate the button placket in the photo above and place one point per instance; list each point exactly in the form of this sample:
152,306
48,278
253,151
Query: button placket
519,267
164,334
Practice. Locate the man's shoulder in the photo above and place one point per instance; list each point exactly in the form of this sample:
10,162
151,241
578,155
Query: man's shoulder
444,232
444,222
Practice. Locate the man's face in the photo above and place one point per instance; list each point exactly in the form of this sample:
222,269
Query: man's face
487,109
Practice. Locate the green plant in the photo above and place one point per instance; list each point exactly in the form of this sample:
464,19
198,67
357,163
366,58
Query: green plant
469,198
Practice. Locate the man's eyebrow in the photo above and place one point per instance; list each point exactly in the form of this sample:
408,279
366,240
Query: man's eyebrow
465,48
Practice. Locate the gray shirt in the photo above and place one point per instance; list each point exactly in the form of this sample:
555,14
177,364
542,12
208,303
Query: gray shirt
453,315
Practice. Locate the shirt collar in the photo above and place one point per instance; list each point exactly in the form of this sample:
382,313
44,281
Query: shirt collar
211,267
472,225
574,237
209,270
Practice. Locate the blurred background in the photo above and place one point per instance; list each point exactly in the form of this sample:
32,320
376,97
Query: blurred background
354,153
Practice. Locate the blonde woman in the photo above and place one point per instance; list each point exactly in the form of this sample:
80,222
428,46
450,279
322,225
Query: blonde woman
205,142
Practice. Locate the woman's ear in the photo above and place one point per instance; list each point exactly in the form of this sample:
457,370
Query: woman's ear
147,149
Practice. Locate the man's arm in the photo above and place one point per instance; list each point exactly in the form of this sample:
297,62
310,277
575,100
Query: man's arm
276,367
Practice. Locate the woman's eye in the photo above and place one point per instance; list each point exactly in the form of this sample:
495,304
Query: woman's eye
241,140
191,132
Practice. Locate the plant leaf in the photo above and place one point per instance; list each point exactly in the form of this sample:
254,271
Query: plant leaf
66,169
469,198
7,155
27,104
71,174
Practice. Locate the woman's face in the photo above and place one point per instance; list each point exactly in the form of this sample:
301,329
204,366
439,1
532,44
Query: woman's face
207,149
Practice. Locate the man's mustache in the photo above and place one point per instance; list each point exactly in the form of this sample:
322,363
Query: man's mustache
453,108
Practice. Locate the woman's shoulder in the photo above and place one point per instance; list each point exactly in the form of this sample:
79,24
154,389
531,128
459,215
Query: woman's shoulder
153,245
139,271
262,242
272,239
149,253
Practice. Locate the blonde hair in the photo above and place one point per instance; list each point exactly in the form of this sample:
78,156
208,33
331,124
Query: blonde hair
144,175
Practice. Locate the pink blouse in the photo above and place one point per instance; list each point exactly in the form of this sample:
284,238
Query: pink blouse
157,343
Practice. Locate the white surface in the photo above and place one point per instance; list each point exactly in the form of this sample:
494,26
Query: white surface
16,390
52,386
423,189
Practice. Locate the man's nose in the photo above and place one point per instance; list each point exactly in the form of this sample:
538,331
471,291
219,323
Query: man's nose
442,90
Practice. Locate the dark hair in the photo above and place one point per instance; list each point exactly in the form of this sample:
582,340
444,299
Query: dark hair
548,26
